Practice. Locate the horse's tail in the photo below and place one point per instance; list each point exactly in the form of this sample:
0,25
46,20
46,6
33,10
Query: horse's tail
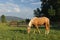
48,23
47,26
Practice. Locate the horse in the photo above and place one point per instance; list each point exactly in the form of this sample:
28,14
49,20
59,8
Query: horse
38,22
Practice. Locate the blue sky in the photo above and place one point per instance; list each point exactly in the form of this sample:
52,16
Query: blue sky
19,8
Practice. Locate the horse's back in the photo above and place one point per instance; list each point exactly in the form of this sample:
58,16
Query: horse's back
45,19
33,21
39,21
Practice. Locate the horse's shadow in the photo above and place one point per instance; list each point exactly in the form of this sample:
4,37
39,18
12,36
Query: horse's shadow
20,31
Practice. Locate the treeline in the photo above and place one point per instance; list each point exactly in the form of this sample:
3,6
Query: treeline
4,20
50,9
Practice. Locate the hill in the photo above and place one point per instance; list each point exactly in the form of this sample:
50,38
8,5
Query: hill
10,18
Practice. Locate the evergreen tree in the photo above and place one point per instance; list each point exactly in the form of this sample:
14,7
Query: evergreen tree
3,19
37,13
27,21
44,7
56,7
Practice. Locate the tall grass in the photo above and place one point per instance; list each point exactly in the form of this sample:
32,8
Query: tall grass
20,33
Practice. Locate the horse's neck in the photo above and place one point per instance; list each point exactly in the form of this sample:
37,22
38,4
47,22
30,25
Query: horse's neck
30,24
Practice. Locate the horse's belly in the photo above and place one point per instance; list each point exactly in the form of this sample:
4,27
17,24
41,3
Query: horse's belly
38,24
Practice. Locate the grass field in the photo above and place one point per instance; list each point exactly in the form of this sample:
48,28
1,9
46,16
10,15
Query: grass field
20,33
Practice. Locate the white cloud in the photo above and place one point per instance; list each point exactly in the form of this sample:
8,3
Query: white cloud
9,7
36,3
22,0
26,12
26,1
10,0
17,9
9,11
32,0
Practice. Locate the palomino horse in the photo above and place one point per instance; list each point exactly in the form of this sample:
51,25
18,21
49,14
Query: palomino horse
38,22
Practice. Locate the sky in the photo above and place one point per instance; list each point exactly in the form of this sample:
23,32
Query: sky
19,8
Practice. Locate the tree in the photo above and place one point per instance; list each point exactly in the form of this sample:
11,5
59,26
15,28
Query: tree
50,8
3,19
44,7
27,21
51,12
37,13
56,7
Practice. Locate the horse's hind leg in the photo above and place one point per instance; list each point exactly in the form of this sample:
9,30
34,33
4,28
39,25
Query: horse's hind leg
47,29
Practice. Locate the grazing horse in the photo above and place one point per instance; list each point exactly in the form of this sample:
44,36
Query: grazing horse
38,22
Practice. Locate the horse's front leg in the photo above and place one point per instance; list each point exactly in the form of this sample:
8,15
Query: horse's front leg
38,29
28,30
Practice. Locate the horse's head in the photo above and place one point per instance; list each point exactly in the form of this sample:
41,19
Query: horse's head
29,26
28,29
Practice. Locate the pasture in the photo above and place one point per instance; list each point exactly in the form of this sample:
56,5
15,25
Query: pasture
20,33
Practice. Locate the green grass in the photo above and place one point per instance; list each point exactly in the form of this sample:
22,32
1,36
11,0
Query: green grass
20,33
